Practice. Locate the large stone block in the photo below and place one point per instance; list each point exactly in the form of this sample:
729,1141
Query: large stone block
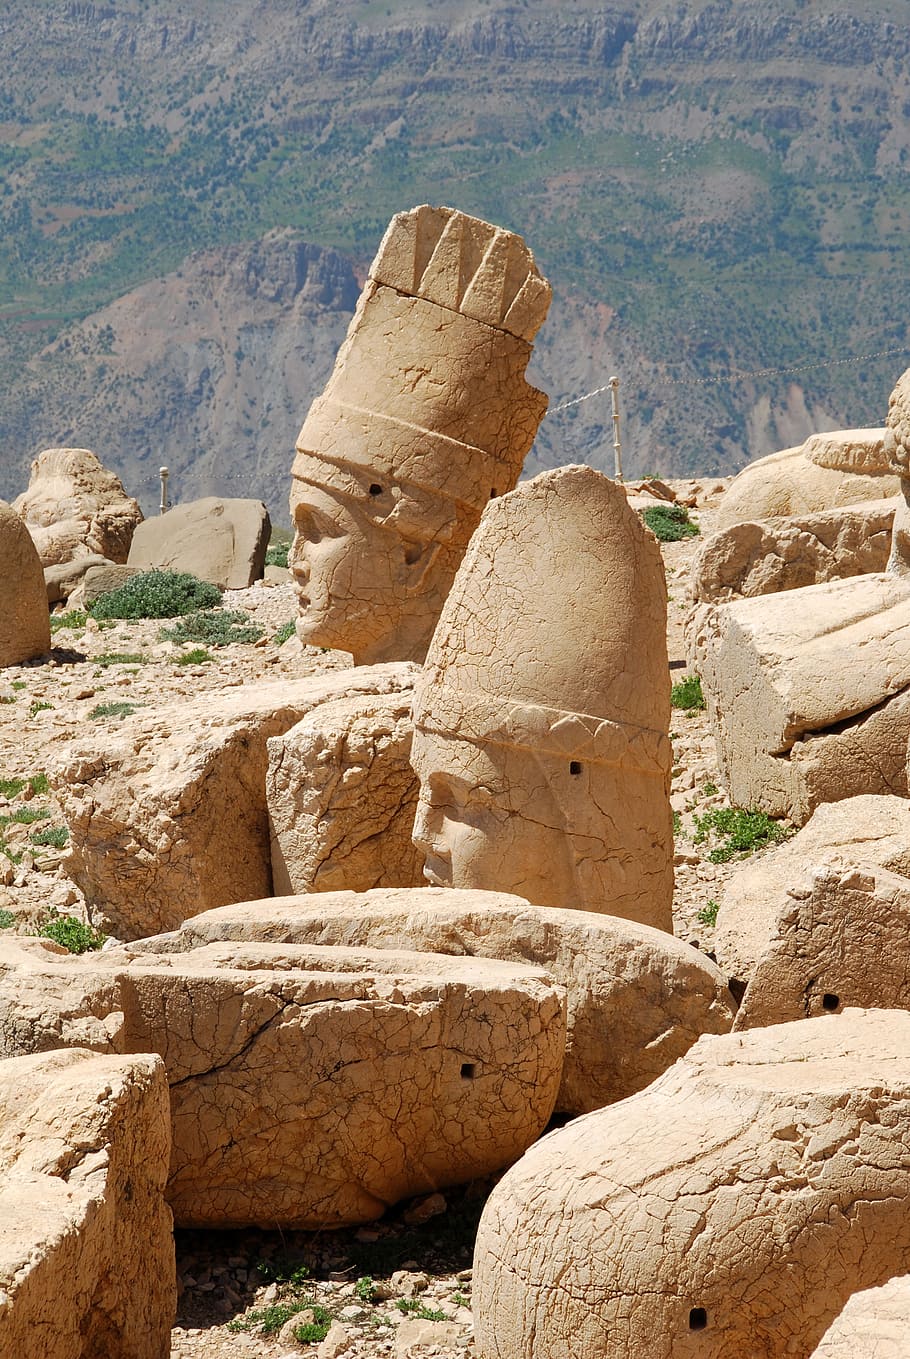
875,1324
342,797
168,816
729,1209
25,628
311,1087
218,540
76,507
636,998
86,1250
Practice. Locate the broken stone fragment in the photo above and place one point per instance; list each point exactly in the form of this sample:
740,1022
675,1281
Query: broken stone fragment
76,507
218,540
875,1324
25,628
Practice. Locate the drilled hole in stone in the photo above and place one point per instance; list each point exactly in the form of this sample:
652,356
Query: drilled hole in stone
698,1319
830,1001
467,1071
375,489
575,767
493,493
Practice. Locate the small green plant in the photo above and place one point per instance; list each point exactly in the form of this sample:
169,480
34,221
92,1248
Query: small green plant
413,1307
25,816
283,1271
741,832
73,618
119,709
669,523
677,823
198,656
687,694
7,698
270,1319
460,1300
709,789
363,1288
18,684
156,594
277,554
39,784
67,930
311,1332
708,913
121,658
11,788
55,836
39,706
7,918
284,632
214,627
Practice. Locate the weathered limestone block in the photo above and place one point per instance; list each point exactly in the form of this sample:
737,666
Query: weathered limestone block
66,578
542,713
872,828
76,507
827,471
86,1250
342,797
427,415
101,580
808,692
312,1087
729,1209
168,816
839,939
875,1324
636,998
218,540
25,628
762,557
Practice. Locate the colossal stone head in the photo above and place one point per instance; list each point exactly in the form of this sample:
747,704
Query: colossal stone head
426,417
542,713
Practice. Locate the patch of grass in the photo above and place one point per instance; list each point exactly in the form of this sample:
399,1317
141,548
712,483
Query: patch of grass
277,554
7,918
198,656
363,1288
413,1307
119,709
56,837
214,627
73,618
11,787
687,694
460,1300
18,684
311,1332
73,934
669,523
39,784
25,816
709,789
39,706
708,913
284,632
741,832
270,1320
283,1271
677,823
121,658
156,594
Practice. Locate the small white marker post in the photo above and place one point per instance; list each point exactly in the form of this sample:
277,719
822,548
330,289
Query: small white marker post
617,444
165,503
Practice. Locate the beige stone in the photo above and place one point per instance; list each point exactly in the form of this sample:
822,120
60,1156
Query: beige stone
874,829
763,557
342,795
310,1087
875,1324
218,540
729,1209
636,998
427,415
101,580
76,507
66,578
86,1251
25,629
542,713
839,939
794,482
167,814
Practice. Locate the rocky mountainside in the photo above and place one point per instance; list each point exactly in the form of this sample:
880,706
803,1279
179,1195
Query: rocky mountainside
714,189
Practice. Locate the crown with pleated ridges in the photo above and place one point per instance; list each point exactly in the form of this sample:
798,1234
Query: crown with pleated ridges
466,265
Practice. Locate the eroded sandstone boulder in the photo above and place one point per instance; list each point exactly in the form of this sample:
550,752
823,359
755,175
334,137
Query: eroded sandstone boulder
875,1324
25,628
310,1087
342,796
168,816
729,1209
86,1250
223,541
636,998
76,507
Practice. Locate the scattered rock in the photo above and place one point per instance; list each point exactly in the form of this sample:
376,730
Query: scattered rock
221,541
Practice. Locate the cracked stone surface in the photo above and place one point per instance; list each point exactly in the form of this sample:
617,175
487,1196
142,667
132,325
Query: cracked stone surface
427,415
542,713
636,998
730,1208
75,507
310,1087
25,629
875,1324
167,815
215,539
86,1250
342,797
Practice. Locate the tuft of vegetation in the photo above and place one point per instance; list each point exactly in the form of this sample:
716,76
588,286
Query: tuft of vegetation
119,709
413,1307
56,837
740,832
156,594
74,619
121,658
284,632
7,918
67,930
283,1271
39,706
363,1288
669,523
277,554
708,913
688,694
198,656
269,1320
25,816
13,787
312,1332
19,684
214,627
677,823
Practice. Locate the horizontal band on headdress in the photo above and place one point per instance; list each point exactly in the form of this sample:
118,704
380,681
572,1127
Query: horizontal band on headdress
443,711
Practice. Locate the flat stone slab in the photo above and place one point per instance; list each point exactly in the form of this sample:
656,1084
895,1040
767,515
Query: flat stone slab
875,1324
223,541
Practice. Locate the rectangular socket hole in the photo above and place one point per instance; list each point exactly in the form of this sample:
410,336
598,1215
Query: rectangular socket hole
467,1071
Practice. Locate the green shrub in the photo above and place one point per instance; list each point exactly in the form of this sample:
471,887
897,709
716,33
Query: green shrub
73,934
13,787
156,594
708,913
7,918
277,554
120,709
198,656
215,627
311,1332
54,836
413,1307
74,618
669,523
39,707
363,1289
121,658
25,816
741,832
687,693
284,632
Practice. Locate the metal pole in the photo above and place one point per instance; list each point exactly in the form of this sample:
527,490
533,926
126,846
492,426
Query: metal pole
165,503
617,444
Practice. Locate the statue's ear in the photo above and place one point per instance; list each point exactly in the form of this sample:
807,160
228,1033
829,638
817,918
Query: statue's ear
417,560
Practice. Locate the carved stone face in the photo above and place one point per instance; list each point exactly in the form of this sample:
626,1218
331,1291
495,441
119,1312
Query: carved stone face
487,819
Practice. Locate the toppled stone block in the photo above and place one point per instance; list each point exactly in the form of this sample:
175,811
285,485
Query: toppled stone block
875,1324
102,579
76,507
342,798
729,1209
86,1250
873,828
167,815
762,557
310,1087
25,627
218,540
65,578
636,998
